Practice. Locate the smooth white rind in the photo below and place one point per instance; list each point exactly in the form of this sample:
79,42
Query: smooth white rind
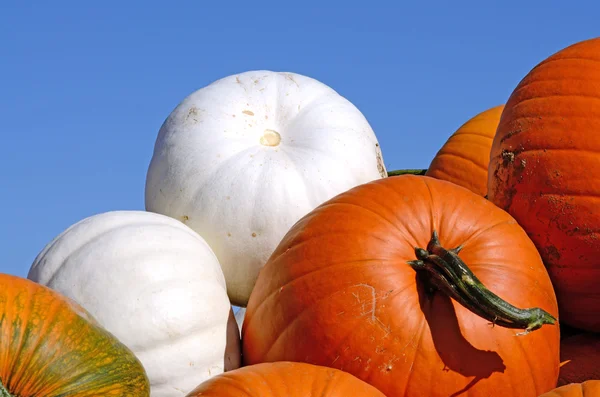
153,283
210,170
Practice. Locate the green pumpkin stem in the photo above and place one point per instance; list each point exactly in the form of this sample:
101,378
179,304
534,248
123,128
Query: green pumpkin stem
407,172
459,282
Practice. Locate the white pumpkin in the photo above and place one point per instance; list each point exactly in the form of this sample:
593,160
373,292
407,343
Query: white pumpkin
244,158
153,283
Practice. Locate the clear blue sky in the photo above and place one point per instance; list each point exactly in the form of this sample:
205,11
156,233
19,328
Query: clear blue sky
85,86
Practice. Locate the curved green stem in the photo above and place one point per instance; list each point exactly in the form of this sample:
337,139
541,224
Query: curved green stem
407,172
473,294
444,284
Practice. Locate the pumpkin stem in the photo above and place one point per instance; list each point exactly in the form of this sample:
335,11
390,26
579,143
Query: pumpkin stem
3,391
407,172
453,277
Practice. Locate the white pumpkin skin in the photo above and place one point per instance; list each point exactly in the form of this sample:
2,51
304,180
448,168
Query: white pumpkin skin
153,283
244,158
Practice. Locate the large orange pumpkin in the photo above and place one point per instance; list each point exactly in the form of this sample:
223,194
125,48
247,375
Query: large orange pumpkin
285,379
51,347
338,292
465,156
580,358
590,388
545,171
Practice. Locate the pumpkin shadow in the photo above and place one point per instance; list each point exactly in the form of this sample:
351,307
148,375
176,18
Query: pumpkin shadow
232,357
456,352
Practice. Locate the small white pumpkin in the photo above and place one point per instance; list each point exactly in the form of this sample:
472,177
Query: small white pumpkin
153,283
244,158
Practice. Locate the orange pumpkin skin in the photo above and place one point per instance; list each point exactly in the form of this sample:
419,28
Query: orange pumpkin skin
590,388
580,359
338,292
50,346
544,170
285,379
465,156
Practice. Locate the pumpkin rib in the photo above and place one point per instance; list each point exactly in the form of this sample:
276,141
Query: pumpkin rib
53,312
554,59
547,97
462,158
300,314
309,240
475,132
389,222
420,332
394,227
544,82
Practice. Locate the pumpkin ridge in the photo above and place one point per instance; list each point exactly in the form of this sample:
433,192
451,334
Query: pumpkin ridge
550,80
53,311
474,132
420,332
291,322
562,96
320,269
16,369
369,211
573,149
554,59
462,158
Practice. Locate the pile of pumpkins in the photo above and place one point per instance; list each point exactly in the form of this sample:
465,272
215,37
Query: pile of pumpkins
268,191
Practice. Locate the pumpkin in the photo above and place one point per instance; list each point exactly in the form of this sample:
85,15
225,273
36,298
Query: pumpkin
339,291
50,346
465,156
590,388
285,379
544,168
156,285
579,355
242,159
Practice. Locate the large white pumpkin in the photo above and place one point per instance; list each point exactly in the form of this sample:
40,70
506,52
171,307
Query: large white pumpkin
156,285
244,158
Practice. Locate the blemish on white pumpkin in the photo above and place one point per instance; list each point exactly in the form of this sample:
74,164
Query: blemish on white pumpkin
253,234
270,138
248,112
193,114
185,218
291,78
228,197
266,117
228,234
379,158
233,115
237,80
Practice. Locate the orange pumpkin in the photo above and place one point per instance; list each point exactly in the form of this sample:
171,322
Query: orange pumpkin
284,379
580,359
465,156
51,347
544,170
590,388
338,292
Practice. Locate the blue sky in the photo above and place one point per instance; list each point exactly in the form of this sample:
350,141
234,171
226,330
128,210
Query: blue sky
84,87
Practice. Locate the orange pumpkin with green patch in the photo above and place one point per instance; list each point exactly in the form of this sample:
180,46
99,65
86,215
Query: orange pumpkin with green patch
51,347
